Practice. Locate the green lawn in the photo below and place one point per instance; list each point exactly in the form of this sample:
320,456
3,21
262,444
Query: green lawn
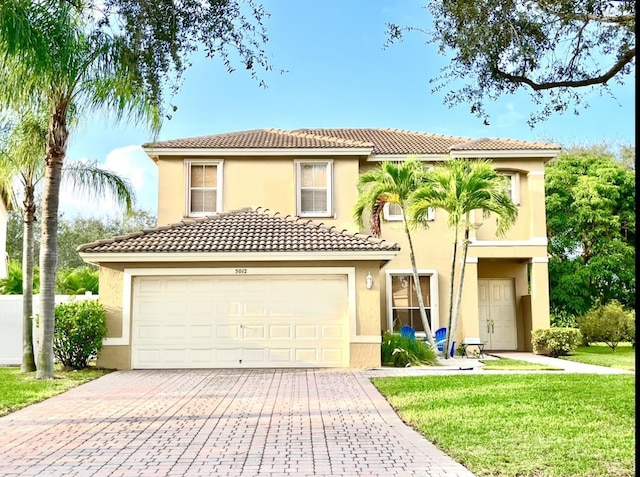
18,390
504,364
624,356
540,425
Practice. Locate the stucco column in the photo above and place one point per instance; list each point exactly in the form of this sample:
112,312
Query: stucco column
538,224
539,293
469,324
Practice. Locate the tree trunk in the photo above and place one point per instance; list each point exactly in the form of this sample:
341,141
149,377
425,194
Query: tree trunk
416,279
57,139
456,311
454,253
28,359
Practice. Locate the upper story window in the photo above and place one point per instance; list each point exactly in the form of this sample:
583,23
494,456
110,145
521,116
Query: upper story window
513,185
314,183
393,213
204,187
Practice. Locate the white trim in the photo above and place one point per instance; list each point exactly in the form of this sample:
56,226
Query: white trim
506,154
302,162
534,241
388,217
219,163
404,157
472,260
514,177
539,259
124,257
319,152
130,273
434,293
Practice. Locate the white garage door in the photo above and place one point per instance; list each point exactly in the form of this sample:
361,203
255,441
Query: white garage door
240,322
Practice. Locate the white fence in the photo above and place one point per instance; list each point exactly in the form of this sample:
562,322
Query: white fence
11,325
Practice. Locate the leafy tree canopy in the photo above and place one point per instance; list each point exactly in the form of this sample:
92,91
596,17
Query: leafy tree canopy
552,48
161,35
591,230
75,231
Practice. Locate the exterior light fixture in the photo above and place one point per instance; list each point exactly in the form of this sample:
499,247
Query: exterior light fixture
369,281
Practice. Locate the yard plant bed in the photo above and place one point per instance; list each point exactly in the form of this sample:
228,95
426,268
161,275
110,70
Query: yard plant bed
18,390
541,425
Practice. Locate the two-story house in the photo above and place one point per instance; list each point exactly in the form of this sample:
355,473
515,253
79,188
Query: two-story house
257,260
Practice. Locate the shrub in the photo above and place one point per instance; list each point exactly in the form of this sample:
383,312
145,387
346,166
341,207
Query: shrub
610,324
79,329
77,281
556,341
563,320
400,352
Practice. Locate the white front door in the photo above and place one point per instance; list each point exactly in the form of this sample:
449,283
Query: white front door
497,313
248,321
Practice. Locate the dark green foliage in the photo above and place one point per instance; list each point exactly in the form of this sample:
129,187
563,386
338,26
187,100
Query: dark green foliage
77,281
12,285
610,324
497,47
556,341
401,352
79,330
590,200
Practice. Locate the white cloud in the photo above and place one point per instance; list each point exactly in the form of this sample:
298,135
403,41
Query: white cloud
129,162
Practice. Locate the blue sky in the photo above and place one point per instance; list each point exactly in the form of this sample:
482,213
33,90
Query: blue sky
337,75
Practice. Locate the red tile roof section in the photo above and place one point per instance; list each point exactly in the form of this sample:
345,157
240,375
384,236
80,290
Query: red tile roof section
381,141
243,230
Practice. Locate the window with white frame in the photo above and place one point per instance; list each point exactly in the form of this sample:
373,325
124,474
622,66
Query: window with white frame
513,185
392,212
314,188
204,187
402,296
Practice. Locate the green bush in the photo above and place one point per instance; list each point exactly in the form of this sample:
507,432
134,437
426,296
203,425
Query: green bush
79,330
610,324
556,341
400,352
563,320
77,281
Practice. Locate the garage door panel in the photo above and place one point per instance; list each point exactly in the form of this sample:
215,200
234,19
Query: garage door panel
280,332
223,321
306,332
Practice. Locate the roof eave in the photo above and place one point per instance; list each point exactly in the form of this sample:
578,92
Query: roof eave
96,258
280,151
505,154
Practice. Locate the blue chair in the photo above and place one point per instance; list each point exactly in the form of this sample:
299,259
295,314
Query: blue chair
441,335
408,332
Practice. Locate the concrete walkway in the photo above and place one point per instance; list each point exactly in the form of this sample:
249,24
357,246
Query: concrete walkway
272,423
276,423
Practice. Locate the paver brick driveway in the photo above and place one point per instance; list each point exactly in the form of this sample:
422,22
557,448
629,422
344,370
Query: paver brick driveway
218,422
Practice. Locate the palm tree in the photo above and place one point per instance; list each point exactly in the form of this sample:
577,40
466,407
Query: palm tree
21,161
460,187
49,60
393,182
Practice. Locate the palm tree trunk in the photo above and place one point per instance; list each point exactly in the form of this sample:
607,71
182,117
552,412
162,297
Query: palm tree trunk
454,253
456,314
28,359
416,279
57,140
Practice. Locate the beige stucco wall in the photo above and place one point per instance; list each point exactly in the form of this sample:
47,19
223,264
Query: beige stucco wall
267,182
365,345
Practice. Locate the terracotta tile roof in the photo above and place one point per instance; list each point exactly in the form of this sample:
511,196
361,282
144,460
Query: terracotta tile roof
261,138
381,141
242,230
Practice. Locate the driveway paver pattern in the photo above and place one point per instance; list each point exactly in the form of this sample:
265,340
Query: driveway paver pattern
260,422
